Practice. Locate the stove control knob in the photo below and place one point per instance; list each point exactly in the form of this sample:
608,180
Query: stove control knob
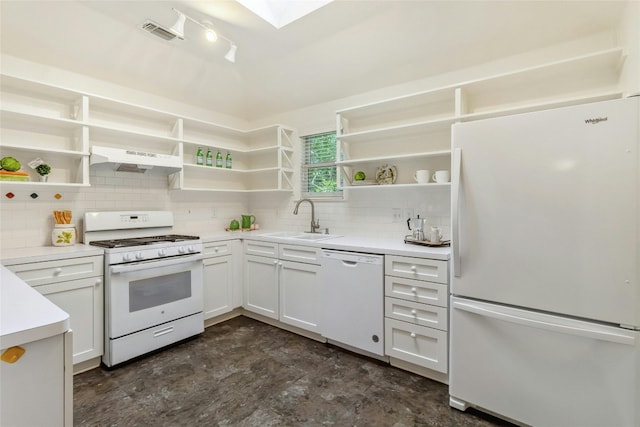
162,252
181,250
127,256
191,249
139,255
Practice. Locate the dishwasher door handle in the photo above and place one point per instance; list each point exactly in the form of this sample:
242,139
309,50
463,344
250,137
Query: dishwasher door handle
349,263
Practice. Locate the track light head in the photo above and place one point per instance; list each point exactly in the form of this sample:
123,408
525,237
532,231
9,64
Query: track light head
178,27
231,54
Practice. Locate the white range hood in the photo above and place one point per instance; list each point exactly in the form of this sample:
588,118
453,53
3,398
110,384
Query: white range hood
124,160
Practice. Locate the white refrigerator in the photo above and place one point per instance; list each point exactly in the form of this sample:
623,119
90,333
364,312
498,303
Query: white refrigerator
545,292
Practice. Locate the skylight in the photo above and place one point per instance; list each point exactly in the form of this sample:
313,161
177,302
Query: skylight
282,12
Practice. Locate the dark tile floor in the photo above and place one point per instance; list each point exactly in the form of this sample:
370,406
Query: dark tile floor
245,373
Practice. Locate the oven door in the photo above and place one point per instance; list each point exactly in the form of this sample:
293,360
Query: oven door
146,294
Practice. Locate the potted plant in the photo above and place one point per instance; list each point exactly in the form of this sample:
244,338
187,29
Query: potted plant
43,170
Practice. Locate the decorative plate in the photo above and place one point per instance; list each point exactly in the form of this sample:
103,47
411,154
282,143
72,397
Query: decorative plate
386,174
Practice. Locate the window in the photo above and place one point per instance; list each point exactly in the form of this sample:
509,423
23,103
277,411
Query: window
319,170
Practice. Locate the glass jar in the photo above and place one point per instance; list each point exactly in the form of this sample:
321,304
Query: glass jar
63,235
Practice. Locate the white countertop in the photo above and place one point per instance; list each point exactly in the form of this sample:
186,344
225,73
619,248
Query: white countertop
26,315
374,245
10,256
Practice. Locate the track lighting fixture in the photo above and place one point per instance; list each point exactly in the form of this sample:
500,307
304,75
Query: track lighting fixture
177,31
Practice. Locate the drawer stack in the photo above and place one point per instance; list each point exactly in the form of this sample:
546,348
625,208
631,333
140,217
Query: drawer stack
416,315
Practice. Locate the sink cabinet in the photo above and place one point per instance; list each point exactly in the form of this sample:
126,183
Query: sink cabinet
281,283
76,286
416,315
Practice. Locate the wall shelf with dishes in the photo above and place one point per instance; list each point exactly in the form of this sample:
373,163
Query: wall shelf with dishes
61,125
413,132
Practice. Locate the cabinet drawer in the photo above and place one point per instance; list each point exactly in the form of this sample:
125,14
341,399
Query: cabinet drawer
261,248
307,254
415,344
416,268
41,273
416,290
416,313
213,249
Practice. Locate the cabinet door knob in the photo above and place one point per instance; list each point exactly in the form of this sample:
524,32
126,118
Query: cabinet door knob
275,262
413,335
413,312
216,250
98,282
414,268
414,290
57,271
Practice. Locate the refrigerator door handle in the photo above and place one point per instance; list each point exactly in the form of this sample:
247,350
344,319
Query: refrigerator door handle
455,204
593,332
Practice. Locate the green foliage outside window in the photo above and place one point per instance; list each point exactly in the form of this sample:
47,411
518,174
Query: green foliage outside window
319,172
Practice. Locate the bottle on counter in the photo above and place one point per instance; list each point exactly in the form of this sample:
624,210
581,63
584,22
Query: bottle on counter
228,160
219,160
209,158
199,157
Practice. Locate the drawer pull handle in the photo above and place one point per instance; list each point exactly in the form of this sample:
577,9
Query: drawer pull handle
164,331
412,335
414,268
57,271
414,290
414,312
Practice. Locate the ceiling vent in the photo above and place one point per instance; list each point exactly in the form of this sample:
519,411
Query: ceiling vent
158,30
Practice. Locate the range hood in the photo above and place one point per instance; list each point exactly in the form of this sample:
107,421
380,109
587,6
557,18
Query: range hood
124,160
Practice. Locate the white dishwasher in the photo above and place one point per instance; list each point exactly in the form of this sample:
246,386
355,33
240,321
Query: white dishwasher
353,300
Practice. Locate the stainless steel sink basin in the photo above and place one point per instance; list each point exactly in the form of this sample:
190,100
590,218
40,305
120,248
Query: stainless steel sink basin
296,235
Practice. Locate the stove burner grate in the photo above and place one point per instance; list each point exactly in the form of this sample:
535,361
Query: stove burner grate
142,241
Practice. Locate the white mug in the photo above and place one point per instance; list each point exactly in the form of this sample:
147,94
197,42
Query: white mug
422,176
435,236
441,176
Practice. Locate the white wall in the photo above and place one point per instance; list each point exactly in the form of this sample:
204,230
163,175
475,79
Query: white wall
27,222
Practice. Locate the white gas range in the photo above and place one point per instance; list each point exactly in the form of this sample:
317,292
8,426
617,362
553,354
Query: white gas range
153,281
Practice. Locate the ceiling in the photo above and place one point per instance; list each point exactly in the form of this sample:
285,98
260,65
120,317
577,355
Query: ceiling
342,49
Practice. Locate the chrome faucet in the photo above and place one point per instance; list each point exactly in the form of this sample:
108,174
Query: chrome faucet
315,223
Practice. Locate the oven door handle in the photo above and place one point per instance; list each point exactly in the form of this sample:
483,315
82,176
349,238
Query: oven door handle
128,268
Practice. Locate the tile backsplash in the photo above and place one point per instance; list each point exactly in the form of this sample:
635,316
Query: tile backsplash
27,221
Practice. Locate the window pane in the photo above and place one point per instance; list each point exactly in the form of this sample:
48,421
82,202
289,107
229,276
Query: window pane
322,148
322,180
319,171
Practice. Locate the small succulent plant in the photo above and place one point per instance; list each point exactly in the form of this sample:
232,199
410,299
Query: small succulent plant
43,169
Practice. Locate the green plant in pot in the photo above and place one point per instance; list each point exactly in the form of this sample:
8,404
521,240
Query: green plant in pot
43,170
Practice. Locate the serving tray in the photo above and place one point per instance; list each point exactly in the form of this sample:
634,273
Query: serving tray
410,239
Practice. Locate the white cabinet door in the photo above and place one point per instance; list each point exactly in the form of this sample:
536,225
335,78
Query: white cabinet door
82,299
218,286
261,285
33,388
299,295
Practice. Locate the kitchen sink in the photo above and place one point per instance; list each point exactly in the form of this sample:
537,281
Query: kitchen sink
314,236
282,234
296,235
